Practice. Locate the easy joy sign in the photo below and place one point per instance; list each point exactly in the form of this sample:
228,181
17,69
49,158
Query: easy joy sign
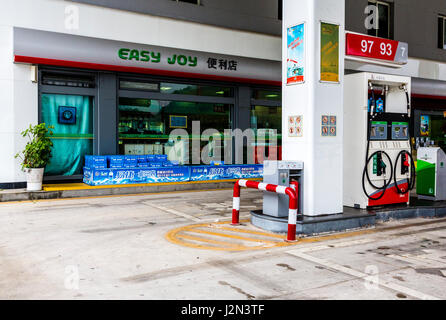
359,45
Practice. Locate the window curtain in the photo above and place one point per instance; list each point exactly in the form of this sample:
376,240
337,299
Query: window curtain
72,141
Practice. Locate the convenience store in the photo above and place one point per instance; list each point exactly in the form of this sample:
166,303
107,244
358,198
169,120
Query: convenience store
111,97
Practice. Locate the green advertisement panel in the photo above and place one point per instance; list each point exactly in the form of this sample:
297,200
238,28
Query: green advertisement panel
329,52
425,178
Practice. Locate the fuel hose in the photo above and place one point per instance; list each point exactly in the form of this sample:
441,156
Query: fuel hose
365,176
411,180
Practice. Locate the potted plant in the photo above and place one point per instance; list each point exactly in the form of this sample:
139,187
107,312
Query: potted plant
36,155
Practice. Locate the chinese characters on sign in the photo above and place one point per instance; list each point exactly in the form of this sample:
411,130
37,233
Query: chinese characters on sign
222,64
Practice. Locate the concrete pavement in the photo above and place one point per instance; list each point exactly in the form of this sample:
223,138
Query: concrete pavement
115,247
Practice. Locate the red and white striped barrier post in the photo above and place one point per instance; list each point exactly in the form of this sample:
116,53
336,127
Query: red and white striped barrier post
292,215
291,192
236,205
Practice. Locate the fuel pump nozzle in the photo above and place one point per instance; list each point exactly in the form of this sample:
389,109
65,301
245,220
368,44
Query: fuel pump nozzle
405,164
380,165
404,88
372,105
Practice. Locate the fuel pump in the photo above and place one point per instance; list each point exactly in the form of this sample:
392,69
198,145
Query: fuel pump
378,164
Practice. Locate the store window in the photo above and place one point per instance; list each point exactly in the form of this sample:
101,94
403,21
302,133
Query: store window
267,95
280,9
197,2
382,20
442,32
147,119
177,88
68,80
72,118
438,130
198,90
432,127
266,121
145,125
139,85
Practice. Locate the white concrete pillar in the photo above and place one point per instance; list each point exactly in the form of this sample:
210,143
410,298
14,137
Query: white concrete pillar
18,105
312,93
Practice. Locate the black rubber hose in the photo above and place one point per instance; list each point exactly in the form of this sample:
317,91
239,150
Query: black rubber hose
408,103
369,125
411,180
365,174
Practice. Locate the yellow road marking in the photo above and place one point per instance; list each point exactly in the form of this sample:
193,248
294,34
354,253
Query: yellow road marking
223,243
173,235
176,235
230,236
199,246
175,240
273,235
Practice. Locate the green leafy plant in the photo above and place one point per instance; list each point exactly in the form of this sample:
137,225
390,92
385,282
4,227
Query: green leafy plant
37,152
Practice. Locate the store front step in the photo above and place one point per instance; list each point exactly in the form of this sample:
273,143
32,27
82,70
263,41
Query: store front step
76,190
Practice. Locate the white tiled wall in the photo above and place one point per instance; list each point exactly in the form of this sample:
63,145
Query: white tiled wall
18,105
7,135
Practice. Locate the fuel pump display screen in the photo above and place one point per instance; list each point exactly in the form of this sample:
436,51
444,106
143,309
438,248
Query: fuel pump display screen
400,130
378,130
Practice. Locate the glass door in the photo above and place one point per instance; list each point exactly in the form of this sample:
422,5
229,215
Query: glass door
72,119
266,121
68,103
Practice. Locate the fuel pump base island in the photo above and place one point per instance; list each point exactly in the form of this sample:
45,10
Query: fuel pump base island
378,165
275,214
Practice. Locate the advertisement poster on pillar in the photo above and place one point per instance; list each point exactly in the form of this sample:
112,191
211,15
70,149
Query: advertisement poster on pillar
329,52
296,54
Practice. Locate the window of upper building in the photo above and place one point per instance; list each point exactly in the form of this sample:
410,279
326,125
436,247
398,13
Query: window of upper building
442,32
280,9
197,2
382,20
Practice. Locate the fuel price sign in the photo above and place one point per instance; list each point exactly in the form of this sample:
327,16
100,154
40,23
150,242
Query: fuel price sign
364,46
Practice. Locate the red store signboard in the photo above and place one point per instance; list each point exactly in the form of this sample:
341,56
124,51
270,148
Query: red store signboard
364,46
